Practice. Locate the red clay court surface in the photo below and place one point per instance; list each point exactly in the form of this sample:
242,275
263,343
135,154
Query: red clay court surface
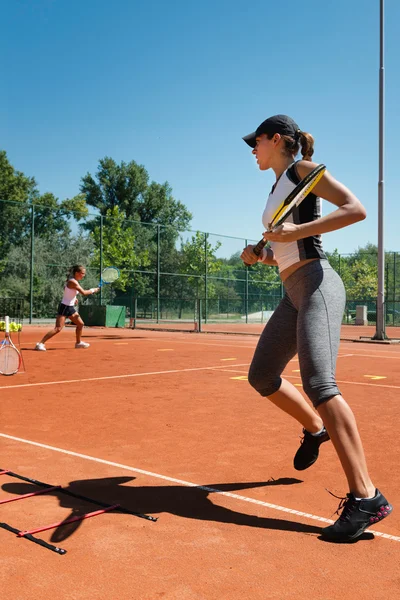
166,424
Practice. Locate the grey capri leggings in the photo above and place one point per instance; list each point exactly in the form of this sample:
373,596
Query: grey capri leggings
307,321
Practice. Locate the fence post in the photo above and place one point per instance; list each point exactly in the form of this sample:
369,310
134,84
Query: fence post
135,312
227,299
199,314
246,290
205,277
32,262
101,257
158,272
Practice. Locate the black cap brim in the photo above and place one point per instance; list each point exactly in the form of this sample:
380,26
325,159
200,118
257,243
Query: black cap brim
250,139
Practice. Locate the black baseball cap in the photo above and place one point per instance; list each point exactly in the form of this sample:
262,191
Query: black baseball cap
277,124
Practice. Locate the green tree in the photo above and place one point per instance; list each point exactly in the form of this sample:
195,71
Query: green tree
364,284
127,187
116,185
195,255
118,249
16,190
52,259
149,208
20,199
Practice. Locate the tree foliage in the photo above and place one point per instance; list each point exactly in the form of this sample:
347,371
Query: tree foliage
141,227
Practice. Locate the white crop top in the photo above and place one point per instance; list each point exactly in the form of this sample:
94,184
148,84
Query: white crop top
69,295
289,253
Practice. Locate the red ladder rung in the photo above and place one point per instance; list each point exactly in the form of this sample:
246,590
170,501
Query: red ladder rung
72,520
22,496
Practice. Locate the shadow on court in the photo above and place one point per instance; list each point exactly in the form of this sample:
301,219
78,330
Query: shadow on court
186,502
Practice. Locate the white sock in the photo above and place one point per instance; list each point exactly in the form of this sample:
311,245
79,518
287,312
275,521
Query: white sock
320,431
369,498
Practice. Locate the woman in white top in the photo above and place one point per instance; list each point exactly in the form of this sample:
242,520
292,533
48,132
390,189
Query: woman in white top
66,308
308,319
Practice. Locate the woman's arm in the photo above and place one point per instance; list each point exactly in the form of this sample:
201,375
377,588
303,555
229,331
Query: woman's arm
73,284
349,211
267,256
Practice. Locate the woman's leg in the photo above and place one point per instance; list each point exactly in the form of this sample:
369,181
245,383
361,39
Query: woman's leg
278,345
320,316
60,322
76,320
342,428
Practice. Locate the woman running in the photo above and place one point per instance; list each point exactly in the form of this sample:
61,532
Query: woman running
308,320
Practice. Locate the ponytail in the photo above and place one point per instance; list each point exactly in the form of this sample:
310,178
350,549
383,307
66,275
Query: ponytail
306,141
300,141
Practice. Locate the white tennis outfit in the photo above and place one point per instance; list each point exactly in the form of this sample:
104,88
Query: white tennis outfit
69,295
289,253
66,308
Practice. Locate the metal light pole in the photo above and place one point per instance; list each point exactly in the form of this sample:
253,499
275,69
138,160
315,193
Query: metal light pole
380,301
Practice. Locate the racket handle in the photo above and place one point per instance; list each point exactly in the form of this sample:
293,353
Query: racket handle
258,248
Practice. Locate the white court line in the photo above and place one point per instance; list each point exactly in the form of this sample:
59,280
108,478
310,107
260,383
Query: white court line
24,385
380,355
190,341
158,340
392,387
187,484
220,367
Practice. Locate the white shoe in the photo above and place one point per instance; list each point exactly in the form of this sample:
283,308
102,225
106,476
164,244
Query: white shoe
41,347
82,345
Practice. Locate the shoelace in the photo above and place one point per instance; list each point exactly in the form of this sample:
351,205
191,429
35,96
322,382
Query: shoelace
302,439
348,504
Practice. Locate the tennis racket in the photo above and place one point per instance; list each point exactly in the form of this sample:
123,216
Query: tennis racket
109,275
10,358
295,197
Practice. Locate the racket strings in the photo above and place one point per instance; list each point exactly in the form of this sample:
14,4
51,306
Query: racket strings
110,274
9,360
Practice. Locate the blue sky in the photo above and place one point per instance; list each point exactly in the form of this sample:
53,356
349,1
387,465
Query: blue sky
175,85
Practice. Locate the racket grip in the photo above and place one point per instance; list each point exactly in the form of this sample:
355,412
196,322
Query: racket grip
258,248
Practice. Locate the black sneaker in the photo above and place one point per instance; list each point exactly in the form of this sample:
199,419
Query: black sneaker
308,452
356,516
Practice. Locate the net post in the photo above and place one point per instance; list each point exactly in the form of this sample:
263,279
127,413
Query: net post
199,314
158,272
32,263
134,312
101,258
246,290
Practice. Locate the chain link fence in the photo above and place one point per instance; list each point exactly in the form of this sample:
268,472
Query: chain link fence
164,271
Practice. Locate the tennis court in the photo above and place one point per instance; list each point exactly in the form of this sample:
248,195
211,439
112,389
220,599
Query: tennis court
165,425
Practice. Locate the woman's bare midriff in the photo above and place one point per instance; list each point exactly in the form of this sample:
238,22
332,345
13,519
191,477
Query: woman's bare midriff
287,272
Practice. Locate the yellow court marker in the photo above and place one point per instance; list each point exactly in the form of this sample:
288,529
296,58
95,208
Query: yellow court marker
228,358
121,343
240,378
296,370
165,349
375,376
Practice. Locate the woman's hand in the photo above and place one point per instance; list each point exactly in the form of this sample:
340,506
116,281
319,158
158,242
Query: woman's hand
287,232
248,256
